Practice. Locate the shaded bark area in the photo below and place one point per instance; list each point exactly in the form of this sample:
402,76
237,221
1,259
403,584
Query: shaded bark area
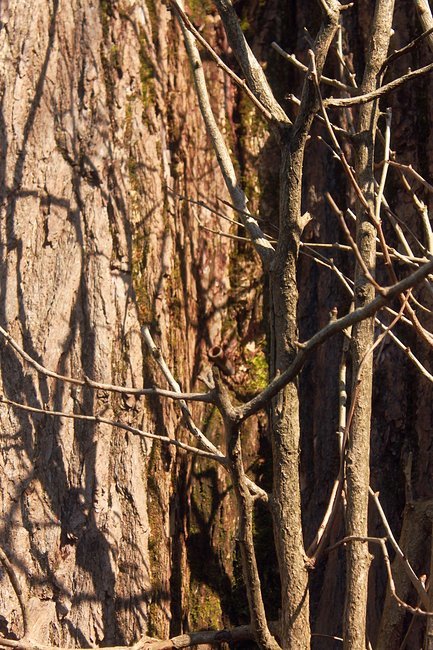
398,407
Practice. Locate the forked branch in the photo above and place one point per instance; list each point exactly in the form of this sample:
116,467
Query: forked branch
332,328
263,247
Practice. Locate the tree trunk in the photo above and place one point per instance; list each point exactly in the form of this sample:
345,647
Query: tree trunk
358,448
95,125
112,535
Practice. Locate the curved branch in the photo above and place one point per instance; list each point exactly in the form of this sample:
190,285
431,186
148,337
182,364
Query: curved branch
199,435
207,398
416,582
262,399
380,92
119,425
407,48
381,541
205,637
291,58
10,570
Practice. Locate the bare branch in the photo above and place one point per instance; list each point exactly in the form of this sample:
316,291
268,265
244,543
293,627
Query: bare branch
156,353
207,398
118,425
204,637
380,92
220,233
260,401
409,259
410,170
318,544
346,283
326,80
246,214
251,68
204,205
263,246
419,586
205,442
352,242
245,511
240,82
407,48
344,67
427,337
385,164
297,102
13,577
319,541
426,20
381,541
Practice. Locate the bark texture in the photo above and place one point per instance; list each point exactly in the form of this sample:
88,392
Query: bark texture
113,536
358,448
95,123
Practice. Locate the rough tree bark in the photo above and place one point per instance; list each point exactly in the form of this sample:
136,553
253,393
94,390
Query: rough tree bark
358,449
113,536
95,125
285,413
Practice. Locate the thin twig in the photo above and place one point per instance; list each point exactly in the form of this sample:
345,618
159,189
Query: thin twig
13,577
207,398
342,60
381,541
419,204
425,335
395,222
326,80
338,150
318,544
220,233
206,206
220,63
237,195
157,355
338,129
347,284
385,164
380,92
328,636
118,425
404,50
410,170
261,400
192,427
416,582
352,242
246,213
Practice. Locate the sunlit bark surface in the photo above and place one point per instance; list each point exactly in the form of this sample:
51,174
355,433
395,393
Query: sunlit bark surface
100,132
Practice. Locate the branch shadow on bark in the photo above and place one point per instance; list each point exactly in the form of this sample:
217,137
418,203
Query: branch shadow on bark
70,504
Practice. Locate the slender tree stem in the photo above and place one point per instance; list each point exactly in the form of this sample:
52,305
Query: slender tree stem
358,446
